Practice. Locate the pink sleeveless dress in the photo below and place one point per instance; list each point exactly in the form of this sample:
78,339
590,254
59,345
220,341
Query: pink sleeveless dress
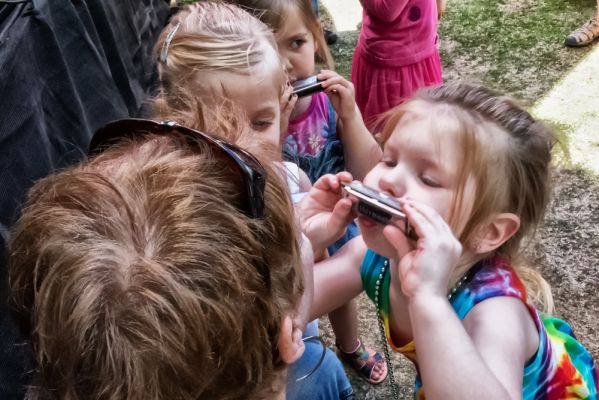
396,54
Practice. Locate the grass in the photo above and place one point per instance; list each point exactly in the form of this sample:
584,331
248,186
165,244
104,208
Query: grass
515,46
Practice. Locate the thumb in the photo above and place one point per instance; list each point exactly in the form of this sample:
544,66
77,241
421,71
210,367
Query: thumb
398,240
341,215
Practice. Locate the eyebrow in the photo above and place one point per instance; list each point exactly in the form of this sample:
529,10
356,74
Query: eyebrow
266,110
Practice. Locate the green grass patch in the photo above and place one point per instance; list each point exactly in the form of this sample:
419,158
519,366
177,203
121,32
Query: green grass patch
515,46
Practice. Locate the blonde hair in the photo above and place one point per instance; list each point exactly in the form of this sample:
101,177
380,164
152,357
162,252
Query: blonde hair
136,276
275,13
204,40
506,152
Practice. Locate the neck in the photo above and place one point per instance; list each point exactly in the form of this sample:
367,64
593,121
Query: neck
301,106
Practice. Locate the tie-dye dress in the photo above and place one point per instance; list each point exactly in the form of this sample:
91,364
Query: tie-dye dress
561,369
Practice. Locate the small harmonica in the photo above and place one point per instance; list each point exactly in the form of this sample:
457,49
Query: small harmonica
307,86
379,207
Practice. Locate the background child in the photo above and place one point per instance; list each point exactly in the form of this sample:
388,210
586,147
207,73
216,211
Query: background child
472,171
139,275
326,134
217,54
396,54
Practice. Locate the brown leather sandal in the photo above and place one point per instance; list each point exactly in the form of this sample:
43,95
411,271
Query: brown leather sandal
584,35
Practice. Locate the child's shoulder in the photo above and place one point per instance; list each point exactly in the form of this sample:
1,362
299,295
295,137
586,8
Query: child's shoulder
490,278
495,277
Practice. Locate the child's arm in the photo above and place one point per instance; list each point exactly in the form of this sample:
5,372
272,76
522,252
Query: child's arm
362,151
488,350
337,279
385,10
324,215
304,182
304,188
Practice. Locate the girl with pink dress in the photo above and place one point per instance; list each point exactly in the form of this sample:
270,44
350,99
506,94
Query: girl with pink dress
396,54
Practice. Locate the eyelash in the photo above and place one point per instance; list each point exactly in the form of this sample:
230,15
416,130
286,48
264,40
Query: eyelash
426,180
261,124
388,163
297,43
429,182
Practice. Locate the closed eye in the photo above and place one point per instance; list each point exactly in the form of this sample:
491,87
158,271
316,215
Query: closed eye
389,162
429,181
261,125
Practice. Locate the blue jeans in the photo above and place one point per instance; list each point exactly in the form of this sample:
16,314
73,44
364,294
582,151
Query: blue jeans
328,382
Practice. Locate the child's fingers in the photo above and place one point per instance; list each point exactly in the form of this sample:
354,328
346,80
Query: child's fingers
398,239
341,215
344,176
325,74
327,182
333,182
287,90
424,216
421,225
290,104
338,83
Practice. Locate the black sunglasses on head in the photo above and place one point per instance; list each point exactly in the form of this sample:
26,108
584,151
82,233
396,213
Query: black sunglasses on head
252,172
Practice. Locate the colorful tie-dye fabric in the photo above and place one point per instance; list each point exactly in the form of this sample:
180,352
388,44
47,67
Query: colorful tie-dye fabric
561,369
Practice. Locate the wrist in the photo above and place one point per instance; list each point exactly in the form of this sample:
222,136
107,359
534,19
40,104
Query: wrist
348,118
427,304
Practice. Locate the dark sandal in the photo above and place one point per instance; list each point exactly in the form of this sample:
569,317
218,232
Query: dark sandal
364,362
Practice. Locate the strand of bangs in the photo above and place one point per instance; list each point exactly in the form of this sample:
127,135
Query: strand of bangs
224,60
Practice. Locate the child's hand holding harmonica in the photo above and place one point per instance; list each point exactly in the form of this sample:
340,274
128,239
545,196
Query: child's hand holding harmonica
325,212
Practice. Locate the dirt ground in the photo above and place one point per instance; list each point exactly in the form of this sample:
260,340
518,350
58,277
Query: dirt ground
565,249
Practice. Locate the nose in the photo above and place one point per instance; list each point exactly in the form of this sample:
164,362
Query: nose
287,64
394,182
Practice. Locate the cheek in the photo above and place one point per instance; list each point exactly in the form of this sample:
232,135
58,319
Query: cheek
273,134
372,178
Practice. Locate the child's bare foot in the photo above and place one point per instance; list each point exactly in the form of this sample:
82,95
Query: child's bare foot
367,362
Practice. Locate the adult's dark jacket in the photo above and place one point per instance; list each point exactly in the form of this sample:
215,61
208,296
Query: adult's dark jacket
67,67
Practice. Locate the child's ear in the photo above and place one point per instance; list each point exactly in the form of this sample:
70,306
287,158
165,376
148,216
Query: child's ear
498,231
291,345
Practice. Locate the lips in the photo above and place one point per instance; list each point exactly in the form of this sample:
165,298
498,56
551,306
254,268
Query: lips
366,222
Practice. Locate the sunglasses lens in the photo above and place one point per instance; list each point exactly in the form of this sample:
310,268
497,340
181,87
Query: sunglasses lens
254,177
